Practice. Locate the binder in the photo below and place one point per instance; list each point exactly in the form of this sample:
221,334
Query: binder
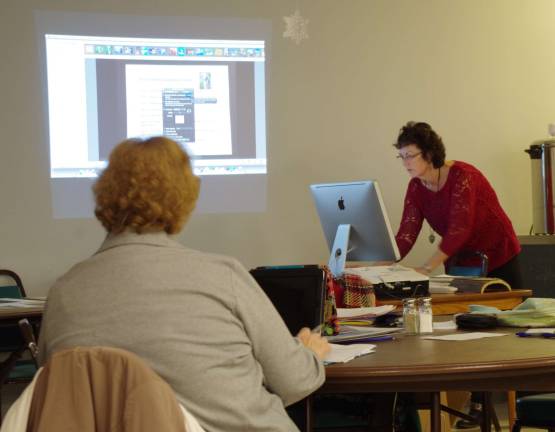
297,293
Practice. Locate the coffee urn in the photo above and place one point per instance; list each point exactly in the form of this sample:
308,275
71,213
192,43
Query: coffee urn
542,155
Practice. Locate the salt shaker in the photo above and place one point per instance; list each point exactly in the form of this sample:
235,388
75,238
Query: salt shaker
410,316
425,315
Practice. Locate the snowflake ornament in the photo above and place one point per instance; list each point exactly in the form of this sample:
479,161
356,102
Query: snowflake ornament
296,27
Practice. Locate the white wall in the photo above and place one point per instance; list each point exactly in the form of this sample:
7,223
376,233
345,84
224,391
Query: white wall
480,71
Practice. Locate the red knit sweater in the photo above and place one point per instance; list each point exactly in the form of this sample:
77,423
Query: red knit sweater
467,215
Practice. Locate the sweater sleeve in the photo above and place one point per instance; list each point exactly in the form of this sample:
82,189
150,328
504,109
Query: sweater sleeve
411,222
461,213
290,370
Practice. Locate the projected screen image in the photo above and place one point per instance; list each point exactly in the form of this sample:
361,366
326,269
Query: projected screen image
208,95
188,103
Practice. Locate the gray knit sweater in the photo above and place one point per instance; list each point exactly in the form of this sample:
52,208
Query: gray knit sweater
199,320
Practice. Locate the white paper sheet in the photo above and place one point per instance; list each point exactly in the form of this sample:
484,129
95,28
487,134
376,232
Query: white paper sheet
464,336
540,331
345,353
445,325
362,311
441,289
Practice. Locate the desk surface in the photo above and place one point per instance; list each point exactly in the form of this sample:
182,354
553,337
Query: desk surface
449,304
411,363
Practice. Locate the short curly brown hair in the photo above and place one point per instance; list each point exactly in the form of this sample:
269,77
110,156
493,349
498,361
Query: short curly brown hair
426,139
148,186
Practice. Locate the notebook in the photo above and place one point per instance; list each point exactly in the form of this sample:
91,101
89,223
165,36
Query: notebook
297,293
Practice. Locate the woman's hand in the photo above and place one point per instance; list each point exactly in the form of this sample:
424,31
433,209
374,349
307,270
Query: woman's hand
424,270
314,342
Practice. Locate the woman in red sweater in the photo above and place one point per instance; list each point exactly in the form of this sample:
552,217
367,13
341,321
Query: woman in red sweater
458,203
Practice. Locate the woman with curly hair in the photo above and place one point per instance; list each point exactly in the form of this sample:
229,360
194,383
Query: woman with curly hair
461,206
199,320
458,203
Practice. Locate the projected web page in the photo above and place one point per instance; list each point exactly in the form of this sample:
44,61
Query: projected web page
187,103
208,95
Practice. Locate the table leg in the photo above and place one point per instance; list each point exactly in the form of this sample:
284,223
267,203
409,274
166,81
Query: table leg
309,422
435,412
486,412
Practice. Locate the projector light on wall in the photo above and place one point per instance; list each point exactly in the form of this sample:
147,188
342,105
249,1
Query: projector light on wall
206,94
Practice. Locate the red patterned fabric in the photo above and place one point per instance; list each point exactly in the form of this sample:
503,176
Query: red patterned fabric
346,291
331,323
467,215
358,292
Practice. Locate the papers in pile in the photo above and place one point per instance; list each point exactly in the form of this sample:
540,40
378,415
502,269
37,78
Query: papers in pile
364,316
353,333
15,303
345,353
355,323
387,274
441,284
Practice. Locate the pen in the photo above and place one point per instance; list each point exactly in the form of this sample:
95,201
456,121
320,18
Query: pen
523,334
544,335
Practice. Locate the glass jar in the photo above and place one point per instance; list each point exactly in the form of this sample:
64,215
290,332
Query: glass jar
425,316
410,316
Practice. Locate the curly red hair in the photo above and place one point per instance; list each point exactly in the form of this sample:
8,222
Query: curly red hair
148,186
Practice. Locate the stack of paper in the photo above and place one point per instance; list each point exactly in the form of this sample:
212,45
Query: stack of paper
442,285
345,353
14,303
364,316
353,334
390,274
473,284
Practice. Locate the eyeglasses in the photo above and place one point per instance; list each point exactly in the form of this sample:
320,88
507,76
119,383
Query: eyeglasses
408,157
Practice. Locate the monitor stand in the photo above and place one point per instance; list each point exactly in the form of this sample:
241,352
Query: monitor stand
338,255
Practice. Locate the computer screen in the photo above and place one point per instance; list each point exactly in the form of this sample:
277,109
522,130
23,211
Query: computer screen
355,223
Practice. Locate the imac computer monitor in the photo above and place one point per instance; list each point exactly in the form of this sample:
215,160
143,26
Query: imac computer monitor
355,223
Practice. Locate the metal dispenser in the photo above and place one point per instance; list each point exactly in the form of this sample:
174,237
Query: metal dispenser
542,155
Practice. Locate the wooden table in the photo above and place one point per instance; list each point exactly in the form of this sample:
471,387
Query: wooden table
414,364
12,316
449,304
